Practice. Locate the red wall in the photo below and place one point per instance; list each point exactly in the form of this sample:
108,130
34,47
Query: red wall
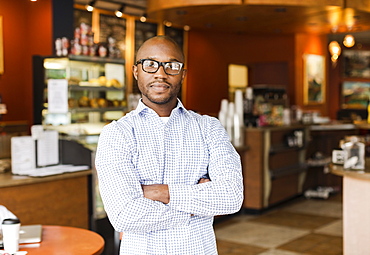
27,30
209,55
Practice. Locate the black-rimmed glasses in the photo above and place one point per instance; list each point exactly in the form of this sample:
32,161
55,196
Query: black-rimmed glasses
152,66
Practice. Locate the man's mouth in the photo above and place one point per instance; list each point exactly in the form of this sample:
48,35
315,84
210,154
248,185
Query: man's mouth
159,86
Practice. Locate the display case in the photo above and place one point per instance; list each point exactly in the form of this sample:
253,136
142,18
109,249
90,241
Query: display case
78,89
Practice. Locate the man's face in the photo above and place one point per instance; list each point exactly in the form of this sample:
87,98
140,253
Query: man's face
159,87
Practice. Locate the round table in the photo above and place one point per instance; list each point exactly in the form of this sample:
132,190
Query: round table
61,240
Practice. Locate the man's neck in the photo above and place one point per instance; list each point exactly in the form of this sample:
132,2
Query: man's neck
163,110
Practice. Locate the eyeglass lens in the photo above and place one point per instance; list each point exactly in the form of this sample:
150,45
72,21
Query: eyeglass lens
152,66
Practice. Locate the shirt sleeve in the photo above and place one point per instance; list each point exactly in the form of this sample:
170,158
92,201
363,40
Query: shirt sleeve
224,193
121,190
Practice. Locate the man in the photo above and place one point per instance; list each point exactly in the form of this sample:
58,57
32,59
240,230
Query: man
164,171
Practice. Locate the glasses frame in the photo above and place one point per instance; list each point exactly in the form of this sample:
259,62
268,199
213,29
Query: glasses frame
140,61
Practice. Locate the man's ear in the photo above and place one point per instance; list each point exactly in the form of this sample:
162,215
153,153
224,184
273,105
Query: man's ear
184,72
134,71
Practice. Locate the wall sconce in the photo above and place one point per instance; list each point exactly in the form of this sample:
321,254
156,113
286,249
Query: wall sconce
335,50
349,41
90,7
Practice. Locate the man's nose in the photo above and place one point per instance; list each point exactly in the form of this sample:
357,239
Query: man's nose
160,71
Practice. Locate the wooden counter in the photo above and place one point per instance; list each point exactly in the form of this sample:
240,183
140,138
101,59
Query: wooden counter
356,209
53,200
358,174
273,171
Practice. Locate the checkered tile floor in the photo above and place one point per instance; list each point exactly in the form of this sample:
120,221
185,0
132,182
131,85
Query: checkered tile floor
299,227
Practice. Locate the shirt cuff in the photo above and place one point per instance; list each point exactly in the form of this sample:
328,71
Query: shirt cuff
181,196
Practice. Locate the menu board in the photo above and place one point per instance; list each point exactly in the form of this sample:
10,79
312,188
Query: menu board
177,34
144,31
82,16
111,26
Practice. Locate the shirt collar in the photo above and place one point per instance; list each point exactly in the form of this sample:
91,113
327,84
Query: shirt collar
141,108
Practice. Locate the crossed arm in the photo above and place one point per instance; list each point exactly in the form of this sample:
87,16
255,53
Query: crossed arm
160,192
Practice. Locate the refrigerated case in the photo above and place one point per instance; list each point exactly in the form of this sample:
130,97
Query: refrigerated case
95,91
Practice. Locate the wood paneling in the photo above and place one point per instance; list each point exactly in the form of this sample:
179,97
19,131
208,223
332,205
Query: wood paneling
271,170
283,188
252,170
164,4
62,202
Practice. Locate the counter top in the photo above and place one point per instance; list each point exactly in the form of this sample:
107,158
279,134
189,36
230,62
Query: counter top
332,127
315,127
10,180
365,126
359,174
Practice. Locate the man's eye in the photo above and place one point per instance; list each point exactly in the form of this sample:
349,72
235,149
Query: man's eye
173,66
150,63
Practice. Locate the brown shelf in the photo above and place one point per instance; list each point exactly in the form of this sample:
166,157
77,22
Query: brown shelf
103,109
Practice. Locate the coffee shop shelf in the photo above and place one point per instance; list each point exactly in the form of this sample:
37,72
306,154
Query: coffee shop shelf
53,200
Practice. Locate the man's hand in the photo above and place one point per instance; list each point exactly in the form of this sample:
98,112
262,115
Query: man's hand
203,180
157,192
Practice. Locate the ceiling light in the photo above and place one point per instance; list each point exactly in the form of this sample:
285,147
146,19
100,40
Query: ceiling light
349,41
90,7
119,12
335,50
143,18
167,23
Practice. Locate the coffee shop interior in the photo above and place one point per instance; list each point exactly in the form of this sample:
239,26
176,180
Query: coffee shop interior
288,79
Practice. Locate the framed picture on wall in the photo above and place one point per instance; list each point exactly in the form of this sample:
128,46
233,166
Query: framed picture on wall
314,82
356,63
355,94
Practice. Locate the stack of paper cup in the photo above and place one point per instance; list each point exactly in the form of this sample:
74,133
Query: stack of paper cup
238,119
222,115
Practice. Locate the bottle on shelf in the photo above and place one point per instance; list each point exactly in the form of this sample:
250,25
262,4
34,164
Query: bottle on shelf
248,115
368,111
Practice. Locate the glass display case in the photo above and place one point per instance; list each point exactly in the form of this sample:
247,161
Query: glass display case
78,89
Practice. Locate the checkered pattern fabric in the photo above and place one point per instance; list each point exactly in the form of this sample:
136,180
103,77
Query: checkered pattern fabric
141,149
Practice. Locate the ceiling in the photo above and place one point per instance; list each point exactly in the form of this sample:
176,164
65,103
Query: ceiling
133,7
257,19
